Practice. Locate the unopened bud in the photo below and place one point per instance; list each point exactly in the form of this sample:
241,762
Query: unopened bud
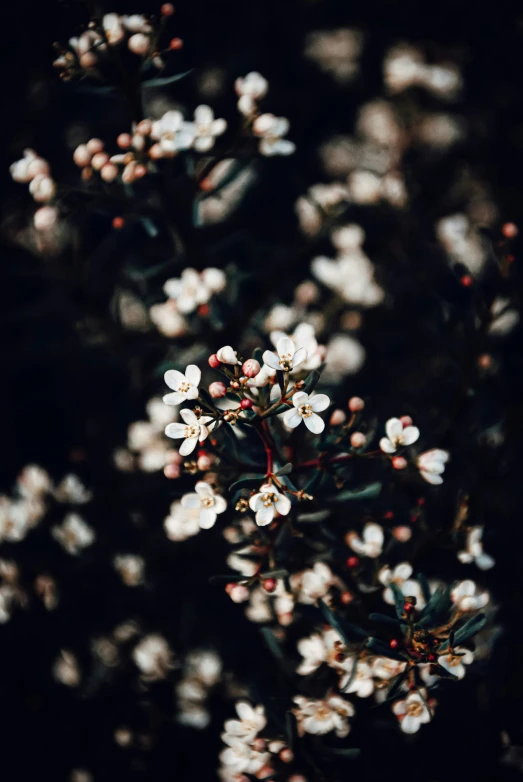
406,420
124,140
95,145
402,534
227,355
337,418
99,160
399,463
82,156
109,172
358,439
167,9
139,44
251,367
237,592
356,404
217,390
45,217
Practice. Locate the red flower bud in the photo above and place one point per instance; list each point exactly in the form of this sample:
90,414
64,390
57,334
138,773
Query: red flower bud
356,404
214,361
270,584
251,367
353,562
246,404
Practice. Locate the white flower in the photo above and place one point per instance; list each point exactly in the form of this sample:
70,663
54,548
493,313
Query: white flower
193,431
113,28
351,275
136,23
26,169
184,386
227,355
454,662
362,683
319,717
182,523
384,668
431,465
173,133
318,649
345,356
306,409
33,481
131,568
206,666
15,520
192,288
71,489
251,721
74,534
311,585
206,128
267,502
474,550
262,378
153,657
259,609
287,357
466,598
397,435
42,188
210,504
303,337
372,543
240,757
272,129
167,319
250,89
411,712
400,576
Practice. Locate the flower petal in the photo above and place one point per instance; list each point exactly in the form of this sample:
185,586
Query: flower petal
174,398
393,428
410,435
190,501
403,571
314,423
431,477
320,402
271,359
300,398
292,418
175,430
203,489
285,347
189,416
386,445
173,378
299,357
193,374
264,515
255,502
207,518
188,446
220,504
410,724
283,504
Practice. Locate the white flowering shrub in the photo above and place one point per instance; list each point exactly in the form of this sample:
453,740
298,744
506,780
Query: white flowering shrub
289,370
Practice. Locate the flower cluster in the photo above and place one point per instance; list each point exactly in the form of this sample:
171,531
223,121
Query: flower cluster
36,171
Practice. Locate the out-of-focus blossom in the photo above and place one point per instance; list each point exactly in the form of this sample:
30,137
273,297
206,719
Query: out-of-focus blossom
309,586
371,542
181,523
412,712
271,131
336,52
398,436
74,534
431,465
153,657
401,576
323,716
473,551
206,128
454,662
209,504
131,568
193,288
466,597
250,89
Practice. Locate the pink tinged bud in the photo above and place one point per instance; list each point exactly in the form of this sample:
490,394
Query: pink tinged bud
171,471
173,457
156,152
167,9
237,592
95,145
82,156
251,367
38,166
286,755
88,60
204,463
140,171
128,175
217,390
258,745
214,361
144,127
406,420
124,140
356,404
399,463
306,293
337,418
138,141
99,160
139,44
109,172
402,534
358,439
45,218
227,355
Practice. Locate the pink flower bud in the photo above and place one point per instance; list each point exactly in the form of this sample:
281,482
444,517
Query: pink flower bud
144,127
399,463
167,9
82,156
88,60
139,44
251,367
204,462
237,592
306,293
156,152
214,361
128,175
45,218
337,418
99,160
406,420
124,140
171,471
140,171
217,390
358,439
95,145
109,172
38,166
402,534
356,404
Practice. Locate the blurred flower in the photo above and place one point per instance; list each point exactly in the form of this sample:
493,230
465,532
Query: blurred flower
336,52
431,465
398,436
323,716
466,597
73,534
371,543
131,568
182,523
318,649
412,712
173,133
454,662
271,130
194,288
66,669
153,657
400,576
361,682
474,550
309,586
206,128
250,89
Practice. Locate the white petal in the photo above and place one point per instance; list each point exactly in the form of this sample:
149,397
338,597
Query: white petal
203,115
203,143
410,724
218,127
410,435
314,423
190,501
188,446
299,357
403,571
271,359
292,418
320,402
265,515
173,378
220,504
174,398
285,347
203,489
255,502
189,416
373,533
207,518
175,430
386,445
193,374
485,561
301,398
393,428
432,478
283,504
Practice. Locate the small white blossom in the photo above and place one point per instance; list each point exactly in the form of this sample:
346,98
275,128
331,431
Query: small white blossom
466,597
181,523
318,649
209,503
306,409
267,503
271,131
431,465
136,23
131,568
193,288
173,133
73,534
250,89
312,585
454,662
42,188
351,274
412,712
303,337
384,668
474,550
241,758
371,542
287,357
400,576
66,669
193,430
251,721
72,490
207,128
153,657
323,716
362,683
113,28
398,436
263,377
184,386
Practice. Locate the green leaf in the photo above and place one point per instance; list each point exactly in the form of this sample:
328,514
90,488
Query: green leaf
285,470
399,599
275,574
367,493
342,752
384,619
250,481
291,729
384,650
425,588
344,628
272,643
248,415
466,631
311,381
162,81
396,684
437,607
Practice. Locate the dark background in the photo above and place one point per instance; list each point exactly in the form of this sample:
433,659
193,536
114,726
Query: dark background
67,393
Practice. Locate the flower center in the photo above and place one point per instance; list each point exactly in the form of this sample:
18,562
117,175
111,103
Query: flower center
285,361
414,709
322,713
269,499
207,502
184,387
192,431
305,411
453,660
